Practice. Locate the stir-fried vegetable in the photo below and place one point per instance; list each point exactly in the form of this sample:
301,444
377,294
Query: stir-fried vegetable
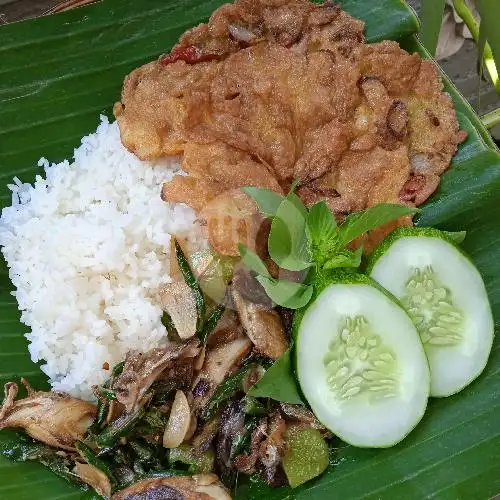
203,404
94,477
191,282
198,463
89,455
119,428
307,455
211,322
225,391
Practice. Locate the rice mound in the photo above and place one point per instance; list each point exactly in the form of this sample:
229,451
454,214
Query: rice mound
87,249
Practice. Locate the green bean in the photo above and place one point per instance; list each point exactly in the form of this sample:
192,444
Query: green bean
107,393
146,453
252,406
166,473
122,456
211,322
124,477
153,421
198,463
191,282
226,390
138,468
102,411
120,427
167,322
118,369
241,441
92,459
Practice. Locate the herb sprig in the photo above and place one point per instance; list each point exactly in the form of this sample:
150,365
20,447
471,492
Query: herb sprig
302,240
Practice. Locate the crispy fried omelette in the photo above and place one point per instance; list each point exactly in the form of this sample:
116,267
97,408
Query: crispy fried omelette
269,91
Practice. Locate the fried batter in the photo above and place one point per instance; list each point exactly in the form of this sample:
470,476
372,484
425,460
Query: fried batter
269,91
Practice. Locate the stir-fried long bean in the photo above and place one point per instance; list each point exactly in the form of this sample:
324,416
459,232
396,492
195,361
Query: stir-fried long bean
192,282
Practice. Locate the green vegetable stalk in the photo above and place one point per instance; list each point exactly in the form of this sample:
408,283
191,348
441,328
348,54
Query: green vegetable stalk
211,323
91,458
226,390
120,427
192,282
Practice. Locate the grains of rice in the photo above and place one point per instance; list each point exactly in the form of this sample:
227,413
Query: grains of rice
87,249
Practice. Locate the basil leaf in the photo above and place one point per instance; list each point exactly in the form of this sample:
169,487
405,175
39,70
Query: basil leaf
321,223
321,231
347,258
297,203
268,201
287,242
253,261
278,382
287,293
359,223
456,236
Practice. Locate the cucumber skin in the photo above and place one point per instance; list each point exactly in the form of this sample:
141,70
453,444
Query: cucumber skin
410,232
322,280
429,232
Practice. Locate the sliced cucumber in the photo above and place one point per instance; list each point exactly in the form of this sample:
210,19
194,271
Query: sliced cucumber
446,298
360,362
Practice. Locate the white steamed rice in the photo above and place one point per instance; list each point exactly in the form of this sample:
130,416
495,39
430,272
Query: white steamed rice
88,247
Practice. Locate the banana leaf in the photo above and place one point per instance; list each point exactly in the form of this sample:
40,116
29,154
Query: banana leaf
58,73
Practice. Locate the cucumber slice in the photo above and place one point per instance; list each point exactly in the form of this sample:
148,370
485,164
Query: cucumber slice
446,298
360,362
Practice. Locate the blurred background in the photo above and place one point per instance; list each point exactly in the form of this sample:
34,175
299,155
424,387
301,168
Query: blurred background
456,51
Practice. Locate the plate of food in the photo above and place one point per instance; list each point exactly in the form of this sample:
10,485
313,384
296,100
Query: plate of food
249,250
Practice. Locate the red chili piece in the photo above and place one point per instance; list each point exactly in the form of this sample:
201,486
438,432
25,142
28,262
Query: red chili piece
190,54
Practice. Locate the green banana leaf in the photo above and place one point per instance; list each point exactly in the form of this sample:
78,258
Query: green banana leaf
58,73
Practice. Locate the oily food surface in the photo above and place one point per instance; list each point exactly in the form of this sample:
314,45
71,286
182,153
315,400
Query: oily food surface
270,91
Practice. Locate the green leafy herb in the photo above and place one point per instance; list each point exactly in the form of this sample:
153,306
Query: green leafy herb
346,258
253,261
278,382
359,223
321,228
288,245
287,293
268,201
